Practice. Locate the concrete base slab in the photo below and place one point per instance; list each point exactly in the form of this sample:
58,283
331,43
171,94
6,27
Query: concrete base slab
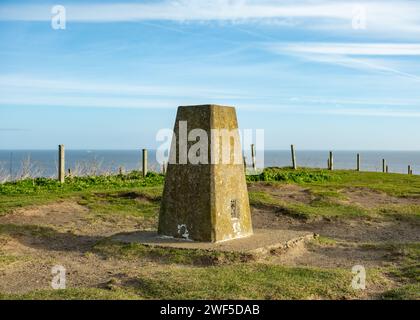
262,242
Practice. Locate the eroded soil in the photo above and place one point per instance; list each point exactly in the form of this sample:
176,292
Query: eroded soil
34,239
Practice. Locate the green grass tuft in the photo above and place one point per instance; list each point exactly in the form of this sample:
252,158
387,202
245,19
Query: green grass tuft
121,203
72,294
33,186
247,281
289,175
406,292
109,248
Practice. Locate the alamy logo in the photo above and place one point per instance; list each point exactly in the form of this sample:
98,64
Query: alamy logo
359,280
59,277
213,146
58,19
359,18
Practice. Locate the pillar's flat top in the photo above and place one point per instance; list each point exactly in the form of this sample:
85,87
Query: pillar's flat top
209,106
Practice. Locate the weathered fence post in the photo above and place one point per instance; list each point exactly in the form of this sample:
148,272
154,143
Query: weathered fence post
254,164
294,165
358,162
61,163
331,161
144,169
244,158
409,169
383,165
387,169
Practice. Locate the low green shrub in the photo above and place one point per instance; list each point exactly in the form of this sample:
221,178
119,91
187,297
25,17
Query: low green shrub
288,175
129,180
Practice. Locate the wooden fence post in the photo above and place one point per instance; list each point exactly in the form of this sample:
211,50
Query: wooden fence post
254,164
294,165
331,161
358,162
144,169
409,169
387,169
383,165
61,163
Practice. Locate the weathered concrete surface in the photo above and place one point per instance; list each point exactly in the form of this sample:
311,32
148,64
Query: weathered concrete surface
198,199
262,242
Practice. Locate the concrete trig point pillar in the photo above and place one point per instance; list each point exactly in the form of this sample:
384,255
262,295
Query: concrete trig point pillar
205,201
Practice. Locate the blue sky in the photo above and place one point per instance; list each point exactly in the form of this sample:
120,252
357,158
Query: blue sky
300,70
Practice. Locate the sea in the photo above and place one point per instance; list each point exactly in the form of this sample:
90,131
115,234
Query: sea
15,163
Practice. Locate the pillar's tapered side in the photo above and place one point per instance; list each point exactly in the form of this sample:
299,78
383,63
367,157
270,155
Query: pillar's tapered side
231,213
208,200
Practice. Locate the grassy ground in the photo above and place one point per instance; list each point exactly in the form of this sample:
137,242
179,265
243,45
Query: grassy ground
250,281
364,218
42,190
329,197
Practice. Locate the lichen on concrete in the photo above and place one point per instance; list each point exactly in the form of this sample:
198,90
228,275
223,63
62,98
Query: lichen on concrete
209,200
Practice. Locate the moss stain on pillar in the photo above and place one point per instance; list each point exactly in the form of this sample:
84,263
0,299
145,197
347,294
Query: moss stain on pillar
206,201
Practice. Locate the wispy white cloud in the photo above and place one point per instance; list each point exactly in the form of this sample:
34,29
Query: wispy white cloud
362,64
351,49
29,90
363,112
86,102
26,83
362,56
346,111
382,16
26,90
353,111
366,102
12,130
182,10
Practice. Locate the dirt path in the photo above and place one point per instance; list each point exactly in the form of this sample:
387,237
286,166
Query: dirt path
62,233
354,230
368,198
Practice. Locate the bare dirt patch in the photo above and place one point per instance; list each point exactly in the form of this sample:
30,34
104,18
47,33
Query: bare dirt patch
341,255
355,230
284,192
69,216
61,233
65,213
369,198
33,271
